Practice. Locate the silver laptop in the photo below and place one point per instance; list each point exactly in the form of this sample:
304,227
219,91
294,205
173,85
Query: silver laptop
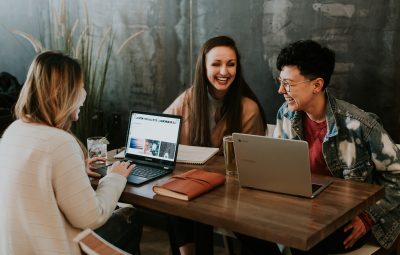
152,144
277,165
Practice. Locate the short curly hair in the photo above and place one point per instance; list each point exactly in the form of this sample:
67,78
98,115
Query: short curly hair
313,60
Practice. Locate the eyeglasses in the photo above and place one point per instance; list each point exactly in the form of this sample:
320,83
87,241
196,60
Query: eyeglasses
287,84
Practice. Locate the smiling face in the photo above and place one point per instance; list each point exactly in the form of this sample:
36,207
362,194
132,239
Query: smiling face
221,63
301,95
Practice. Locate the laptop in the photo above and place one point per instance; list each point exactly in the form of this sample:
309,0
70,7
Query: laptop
152,144
277,165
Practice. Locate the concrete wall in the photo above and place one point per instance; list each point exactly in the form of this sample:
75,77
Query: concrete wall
158,65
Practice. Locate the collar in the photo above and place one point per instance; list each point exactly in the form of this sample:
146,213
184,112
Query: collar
331,107
296,117
212,100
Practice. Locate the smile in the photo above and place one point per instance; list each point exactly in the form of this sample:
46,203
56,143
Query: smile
289,99
222,80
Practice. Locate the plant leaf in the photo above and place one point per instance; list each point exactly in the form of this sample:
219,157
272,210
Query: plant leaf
128,40
36,44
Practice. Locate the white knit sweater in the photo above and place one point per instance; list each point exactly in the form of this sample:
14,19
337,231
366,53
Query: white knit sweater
45,194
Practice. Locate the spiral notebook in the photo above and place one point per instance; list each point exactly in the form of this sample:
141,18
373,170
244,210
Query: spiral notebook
188,154
195,154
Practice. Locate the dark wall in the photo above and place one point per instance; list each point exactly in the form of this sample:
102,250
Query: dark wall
157,66
364,34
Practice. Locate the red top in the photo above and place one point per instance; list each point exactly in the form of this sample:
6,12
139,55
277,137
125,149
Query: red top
314,134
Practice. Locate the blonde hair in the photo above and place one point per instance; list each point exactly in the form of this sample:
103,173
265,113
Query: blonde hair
52,91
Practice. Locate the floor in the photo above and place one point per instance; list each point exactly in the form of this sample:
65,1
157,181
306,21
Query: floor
155,242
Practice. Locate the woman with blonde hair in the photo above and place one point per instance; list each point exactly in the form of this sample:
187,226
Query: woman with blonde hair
45,193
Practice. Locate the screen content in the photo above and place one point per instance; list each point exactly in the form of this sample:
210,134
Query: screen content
153,136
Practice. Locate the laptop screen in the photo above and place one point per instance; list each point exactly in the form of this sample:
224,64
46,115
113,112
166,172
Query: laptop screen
153,137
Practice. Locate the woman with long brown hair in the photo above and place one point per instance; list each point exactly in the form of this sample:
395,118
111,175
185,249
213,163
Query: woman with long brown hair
45,193
219,103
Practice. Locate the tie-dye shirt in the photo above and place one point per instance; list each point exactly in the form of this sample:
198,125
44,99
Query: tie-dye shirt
356,147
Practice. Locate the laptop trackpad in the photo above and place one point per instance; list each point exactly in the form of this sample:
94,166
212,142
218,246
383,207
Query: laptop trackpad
136,179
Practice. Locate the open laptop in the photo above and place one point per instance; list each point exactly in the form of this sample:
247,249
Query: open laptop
277,165
152,144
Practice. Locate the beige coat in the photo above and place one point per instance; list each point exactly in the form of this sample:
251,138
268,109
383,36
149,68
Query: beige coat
252,122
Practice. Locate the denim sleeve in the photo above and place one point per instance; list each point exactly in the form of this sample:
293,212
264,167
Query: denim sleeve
386,213
278,132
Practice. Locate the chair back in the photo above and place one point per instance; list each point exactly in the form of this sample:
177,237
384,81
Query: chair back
270,130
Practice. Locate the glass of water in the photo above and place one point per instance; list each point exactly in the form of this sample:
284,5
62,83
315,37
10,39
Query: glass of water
97,147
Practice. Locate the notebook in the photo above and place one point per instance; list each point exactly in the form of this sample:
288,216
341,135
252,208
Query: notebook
195,154
151,143
93,244
277,165
187,154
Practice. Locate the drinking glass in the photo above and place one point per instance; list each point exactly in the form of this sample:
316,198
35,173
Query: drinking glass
97,147
229,155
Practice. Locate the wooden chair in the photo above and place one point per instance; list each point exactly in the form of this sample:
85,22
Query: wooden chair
270,130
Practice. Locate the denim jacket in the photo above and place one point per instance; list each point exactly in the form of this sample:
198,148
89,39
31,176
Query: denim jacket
356,147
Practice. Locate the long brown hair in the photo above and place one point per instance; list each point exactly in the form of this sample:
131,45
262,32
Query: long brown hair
231,109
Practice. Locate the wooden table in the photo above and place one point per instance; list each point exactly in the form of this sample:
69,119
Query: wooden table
289,220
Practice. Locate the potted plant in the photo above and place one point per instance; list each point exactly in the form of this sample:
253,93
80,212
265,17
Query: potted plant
76,39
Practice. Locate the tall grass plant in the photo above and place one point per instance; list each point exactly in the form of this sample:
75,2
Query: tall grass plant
77,39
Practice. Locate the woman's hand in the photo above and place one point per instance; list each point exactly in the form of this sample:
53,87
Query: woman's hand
90,169
122,168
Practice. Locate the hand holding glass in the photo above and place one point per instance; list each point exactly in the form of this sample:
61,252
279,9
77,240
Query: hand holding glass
97,147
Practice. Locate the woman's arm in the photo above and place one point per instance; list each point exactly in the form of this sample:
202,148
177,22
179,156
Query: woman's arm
82,206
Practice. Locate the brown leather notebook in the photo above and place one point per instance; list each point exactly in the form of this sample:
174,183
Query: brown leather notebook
189,185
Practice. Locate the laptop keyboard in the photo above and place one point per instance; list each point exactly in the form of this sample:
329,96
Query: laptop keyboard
315,187
147,172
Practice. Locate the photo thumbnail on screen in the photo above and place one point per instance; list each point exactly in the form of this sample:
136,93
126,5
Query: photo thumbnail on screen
167,150
137,145
151,147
